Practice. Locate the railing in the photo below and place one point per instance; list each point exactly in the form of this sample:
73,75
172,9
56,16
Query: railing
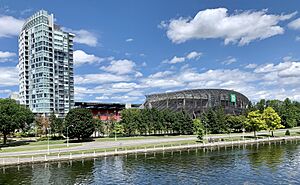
64,156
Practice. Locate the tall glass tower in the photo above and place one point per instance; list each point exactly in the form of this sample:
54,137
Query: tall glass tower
46,78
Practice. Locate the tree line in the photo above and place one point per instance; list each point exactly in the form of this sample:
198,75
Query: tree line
79,123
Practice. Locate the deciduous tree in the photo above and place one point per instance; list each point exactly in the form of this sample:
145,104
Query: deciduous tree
255,121
80,123
272,120
13,116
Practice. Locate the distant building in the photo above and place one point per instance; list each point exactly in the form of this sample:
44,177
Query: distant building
197,101
14,96
46,82
106,111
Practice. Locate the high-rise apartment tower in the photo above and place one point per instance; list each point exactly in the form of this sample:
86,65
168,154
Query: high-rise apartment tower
46,78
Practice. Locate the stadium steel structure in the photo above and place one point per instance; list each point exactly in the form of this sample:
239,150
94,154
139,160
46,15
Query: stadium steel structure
197,101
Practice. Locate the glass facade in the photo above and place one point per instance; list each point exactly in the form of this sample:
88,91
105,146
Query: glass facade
46,66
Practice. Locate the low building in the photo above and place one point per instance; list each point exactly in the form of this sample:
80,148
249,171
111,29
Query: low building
197,101
106,111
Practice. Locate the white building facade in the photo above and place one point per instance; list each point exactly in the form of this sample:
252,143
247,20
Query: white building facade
46,78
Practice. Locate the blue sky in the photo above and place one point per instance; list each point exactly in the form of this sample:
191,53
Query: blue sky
126,49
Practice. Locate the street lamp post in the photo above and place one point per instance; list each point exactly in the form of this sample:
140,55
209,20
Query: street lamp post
49,130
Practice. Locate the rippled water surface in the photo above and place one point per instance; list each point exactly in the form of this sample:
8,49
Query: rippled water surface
275,164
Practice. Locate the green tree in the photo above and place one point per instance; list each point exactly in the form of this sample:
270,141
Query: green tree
235,123
118,129
198,129
13,116
80,123
131,121
272,120
183,123
216,120
56,124
288,114
261,105
99,126
255,121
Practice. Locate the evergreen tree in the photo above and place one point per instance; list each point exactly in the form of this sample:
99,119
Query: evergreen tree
198,128
288,114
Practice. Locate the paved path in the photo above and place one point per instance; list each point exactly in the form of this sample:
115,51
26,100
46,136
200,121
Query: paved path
122,143
100,145
207,146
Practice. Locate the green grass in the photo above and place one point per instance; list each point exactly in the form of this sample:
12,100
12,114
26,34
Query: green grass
140,137
38,147
123,148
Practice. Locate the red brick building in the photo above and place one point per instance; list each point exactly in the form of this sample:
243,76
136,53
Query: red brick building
106,111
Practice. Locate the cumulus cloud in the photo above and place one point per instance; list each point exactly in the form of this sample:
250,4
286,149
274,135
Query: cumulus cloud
194,55
10,26
100,78
242,27
161,74
269,81
81,57
295,24
251,66
6,56
175,60
84,37
120,67
229,60
9,76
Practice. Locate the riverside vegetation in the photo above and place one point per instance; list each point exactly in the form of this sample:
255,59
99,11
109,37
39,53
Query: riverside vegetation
79,124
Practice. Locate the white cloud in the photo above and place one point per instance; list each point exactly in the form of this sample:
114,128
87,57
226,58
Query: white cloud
251,66
102,98
6,56
84,37
194,55
271,67
99,78
138,74
295,24
161,74
80,57
5,91
123,85
161,83
292,71
120,67
129,40
9,76
10,26
229,60
175,60
242,27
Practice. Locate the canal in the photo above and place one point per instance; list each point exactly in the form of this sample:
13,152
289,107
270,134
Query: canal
268,164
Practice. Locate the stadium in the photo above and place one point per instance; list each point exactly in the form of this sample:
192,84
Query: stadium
197,101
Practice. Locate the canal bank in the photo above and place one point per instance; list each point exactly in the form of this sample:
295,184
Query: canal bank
13,161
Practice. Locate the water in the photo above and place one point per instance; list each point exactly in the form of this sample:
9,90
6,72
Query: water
275,164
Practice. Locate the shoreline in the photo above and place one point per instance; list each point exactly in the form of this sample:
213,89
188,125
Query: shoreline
6,162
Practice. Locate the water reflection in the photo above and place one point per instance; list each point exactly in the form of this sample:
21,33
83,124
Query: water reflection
251,165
